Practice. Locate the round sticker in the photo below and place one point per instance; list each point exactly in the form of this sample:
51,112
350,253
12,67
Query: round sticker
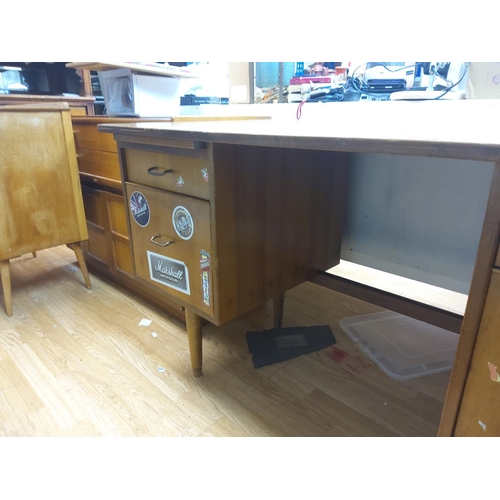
139,208
183,222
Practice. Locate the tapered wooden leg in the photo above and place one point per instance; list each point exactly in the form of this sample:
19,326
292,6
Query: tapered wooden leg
7,291
34,254
193,324
278,304
76,247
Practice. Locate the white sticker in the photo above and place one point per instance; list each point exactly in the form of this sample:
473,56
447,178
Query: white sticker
205,276
183,222
169,272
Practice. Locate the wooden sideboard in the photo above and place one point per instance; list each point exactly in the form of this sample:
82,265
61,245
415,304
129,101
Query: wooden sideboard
107,251
40,198
252,167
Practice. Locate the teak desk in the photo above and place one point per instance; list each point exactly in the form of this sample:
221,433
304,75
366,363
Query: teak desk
261,210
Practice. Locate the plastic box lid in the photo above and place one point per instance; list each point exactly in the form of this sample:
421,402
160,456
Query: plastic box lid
402,347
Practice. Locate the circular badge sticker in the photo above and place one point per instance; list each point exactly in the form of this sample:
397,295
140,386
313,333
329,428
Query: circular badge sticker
183,222
139,208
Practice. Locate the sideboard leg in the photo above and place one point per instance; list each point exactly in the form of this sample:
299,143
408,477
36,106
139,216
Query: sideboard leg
76,247
7,291
278,304
193,324
34,254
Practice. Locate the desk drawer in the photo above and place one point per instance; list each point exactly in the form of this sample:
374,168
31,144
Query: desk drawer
88,137
181,269
99,163
180,174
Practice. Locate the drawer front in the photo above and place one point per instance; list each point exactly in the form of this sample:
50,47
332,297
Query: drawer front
99,163
179,174
181,269
88,137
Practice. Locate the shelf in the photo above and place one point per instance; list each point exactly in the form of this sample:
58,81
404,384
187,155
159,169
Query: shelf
153,68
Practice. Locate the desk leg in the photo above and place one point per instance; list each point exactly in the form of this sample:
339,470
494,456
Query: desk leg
7,291
193,324
278,304
76,247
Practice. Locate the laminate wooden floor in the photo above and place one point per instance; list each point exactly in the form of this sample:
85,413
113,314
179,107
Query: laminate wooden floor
74,362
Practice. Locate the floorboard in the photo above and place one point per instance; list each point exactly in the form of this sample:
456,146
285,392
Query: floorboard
75,362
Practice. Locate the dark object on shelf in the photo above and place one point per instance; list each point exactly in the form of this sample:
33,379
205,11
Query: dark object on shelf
279,344
385,86
193,100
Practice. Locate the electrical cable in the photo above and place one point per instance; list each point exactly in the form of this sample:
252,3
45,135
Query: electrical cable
373,94
298,114
399,69
454,85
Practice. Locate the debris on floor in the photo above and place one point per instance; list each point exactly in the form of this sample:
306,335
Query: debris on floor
279,344
145,322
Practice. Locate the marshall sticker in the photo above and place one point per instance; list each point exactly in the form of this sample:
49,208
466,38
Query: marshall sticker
205,276
183,222
139,208
169,272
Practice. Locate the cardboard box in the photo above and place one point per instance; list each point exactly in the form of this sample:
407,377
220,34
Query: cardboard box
484,81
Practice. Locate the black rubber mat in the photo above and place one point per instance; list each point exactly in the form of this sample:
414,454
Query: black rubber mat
279,344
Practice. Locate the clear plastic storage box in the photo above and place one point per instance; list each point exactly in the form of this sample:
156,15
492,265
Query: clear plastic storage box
403,347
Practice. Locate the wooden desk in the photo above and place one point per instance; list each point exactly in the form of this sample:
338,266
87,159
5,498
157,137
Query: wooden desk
449,129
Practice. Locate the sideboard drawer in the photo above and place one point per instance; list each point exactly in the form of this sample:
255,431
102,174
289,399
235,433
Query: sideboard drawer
172,243
180,174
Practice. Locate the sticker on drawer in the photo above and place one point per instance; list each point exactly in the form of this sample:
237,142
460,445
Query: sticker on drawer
205,276
183,222
139,208
169,272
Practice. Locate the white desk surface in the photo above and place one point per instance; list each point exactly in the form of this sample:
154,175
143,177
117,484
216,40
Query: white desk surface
468,129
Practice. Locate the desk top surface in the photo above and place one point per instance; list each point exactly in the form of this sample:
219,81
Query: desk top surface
454,129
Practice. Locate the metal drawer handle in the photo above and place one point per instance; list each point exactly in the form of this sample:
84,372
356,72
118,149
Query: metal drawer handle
161,244
155,171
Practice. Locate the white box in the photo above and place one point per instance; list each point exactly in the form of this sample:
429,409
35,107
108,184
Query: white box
128,93
484,80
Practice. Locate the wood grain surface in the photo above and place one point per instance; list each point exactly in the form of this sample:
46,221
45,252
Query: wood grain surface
478,415
40,197
277,218
74,362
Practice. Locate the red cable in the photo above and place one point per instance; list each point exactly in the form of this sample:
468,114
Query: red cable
299,110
